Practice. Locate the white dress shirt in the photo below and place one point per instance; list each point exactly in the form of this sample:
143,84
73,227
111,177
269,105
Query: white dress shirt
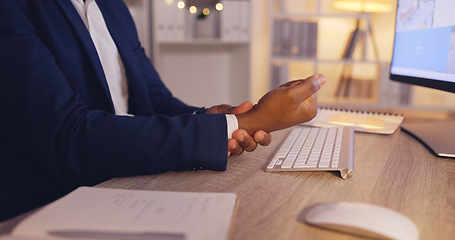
111,61
107,52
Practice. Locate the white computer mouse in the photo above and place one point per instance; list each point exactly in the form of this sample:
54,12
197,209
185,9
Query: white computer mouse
362,219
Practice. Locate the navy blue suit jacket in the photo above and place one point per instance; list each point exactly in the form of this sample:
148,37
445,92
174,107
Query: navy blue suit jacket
58,129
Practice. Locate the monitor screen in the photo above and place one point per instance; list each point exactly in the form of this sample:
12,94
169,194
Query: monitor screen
424,54
424,46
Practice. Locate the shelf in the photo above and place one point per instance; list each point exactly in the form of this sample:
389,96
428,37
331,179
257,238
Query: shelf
206,61
337,61
318,15
306,43
203,42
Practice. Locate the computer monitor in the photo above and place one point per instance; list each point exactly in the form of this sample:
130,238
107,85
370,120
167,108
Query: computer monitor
424,55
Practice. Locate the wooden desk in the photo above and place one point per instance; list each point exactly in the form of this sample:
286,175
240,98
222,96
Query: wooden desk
394,171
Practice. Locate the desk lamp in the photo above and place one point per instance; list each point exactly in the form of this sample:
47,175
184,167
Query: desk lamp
363,7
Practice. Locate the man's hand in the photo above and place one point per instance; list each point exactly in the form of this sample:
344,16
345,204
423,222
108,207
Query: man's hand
241,140
290,104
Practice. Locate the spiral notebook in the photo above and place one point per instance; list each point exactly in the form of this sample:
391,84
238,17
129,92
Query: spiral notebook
361,121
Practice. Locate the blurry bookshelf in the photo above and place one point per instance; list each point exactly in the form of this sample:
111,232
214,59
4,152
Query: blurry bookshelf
204,21
353,49
312,36
200,48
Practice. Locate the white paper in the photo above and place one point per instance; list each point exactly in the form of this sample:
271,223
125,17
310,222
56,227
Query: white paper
197,215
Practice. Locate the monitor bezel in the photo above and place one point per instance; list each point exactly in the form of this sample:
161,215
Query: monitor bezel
424,82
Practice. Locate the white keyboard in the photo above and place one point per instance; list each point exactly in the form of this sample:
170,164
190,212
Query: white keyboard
316,149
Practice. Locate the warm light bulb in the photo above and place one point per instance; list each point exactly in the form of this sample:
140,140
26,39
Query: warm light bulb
181,4
206,11
193,9
169,2
219,6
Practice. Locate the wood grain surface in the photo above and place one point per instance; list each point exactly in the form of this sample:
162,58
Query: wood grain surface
395,171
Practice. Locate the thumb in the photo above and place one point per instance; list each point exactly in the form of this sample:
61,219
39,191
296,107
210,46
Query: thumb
306,88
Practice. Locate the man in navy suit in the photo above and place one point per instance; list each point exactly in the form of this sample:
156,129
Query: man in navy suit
82,103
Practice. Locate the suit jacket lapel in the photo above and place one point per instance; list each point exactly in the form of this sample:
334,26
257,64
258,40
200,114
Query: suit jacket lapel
87,42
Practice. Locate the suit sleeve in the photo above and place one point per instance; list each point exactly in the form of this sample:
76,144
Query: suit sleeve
46,117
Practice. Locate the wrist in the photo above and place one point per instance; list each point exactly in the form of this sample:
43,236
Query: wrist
251,122
259,119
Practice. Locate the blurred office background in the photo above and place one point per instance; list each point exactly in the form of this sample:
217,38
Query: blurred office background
227,51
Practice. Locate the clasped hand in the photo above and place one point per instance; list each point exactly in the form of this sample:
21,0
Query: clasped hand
292,103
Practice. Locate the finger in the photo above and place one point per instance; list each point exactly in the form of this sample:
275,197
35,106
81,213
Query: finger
305,89
262,137
212,110
245,141
242,108
233,147
291,83
223,108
